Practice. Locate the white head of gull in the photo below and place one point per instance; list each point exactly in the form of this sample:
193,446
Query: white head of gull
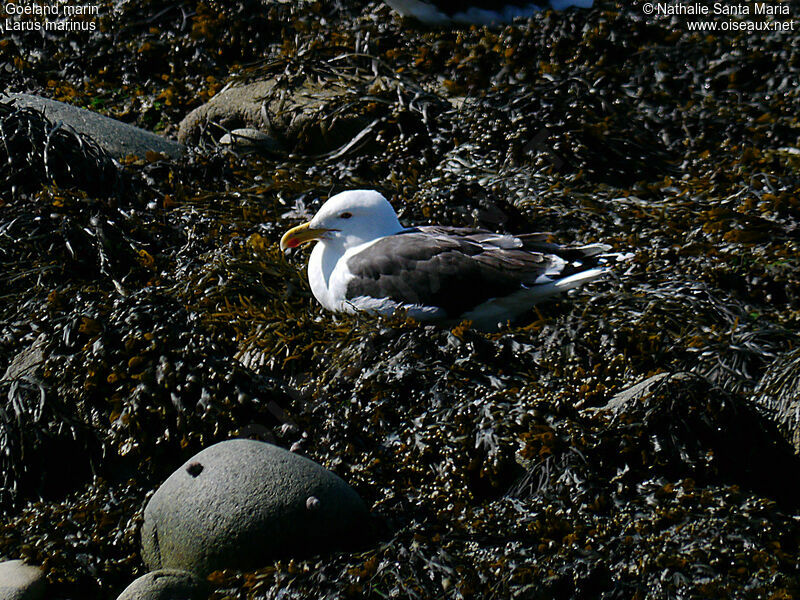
365,260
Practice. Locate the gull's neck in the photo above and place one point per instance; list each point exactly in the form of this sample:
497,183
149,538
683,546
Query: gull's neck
323,262
324,256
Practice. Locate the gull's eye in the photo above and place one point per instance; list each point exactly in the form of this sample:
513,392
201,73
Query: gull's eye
345,215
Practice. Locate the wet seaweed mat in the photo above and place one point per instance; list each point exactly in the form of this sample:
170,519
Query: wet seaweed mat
147,311
36,151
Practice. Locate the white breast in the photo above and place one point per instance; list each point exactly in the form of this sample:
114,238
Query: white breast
320,267
328,274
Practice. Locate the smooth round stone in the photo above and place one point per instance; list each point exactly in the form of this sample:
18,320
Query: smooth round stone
19,581
166,584
241,503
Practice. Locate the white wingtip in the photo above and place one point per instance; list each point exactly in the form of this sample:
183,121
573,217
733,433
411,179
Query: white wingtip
612,257
579,278
593,249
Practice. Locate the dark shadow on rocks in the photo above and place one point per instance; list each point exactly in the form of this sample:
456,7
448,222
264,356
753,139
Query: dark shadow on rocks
685,427
674,426
777,396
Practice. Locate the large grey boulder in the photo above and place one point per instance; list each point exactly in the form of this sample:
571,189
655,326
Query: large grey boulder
240,503
305,117
166,584
236,106
115,137
778,396
19,581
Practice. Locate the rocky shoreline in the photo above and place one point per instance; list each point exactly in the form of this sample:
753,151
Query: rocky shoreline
177,410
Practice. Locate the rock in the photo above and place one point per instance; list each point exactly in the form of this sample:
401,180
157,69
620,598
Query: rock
251,139
236,106
19,581
117,138
241,503
677,415
40,457
778,396
626,400
25,365
166,584
694,429
301,117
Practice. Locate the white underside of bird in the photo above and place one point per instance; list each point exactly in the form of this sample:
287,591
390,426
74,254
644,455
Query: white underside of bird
365,260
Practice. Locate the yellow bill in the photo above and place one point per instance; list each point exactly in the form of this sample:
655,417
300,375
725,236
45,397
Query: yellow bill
301,234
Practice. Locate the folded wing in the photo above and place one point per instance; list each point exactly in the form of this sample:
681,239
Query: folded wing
451,271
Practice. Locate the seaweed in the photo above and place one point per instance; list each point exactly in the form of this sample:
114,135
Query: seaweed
147,310
36,151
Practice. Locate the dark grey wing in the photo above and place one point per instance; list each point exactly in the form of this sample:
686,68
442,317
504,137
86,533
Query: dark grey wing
453,269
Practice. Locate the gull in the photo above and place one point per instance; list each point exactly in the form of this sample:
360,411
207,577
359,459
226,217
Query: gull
365,260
